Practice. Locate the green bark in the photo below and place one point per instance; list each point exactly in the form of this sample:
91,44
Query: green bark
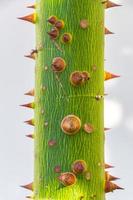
56,97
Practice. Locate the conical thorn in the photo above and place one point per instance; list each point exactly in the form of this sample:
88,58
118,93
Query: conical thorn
29,197
32,56
111,4
108,76
107,129
107,31
30,136
28,186
30,18
30,122
29,105
107,166
119,188
109,177
30,93
110,187
32,6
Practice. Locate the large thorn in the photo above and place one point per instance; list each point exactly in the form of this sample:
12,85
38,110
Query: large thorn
109,177
30,122
28,186
30,18
107,31
110,187
30,93
30,136
107,166
111,4
29,105
108,76
32,6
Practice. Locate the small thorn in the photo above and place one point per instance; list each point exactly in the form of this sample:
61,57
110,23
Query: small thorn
107,166
29,197
31,136
107,31
30,93
32,6
108,76
111,4
29,105
30,18
28,186
107,129
109,177
32,56
110,187
30,122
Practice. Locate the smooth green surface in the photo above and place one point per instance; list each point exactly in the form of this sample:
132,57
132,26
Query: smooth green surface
60,98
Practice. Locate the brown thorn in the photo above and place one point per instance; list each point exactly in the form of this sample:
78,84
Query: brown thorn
110,187
32,56
32,6
30,93
109,177
31,136
111,4
29,18
30,122
28,186
29,105
107,129
107,166
28,197
107,31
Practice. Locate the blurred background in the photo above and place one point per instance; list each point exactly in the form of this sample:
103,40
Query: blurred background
17,77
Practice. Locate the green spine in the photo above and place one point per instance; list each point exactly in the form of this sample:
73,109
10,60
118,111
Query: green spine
56,98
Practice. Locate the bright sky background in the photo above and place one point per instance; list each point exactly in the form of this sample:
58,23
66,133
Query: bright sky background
17,76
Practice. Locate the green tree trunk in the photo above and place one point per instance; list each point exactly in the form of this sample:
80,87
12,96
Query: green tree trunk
59,92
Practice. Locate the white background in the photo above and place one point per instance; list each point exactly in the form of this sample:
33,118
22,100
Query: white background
17,76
